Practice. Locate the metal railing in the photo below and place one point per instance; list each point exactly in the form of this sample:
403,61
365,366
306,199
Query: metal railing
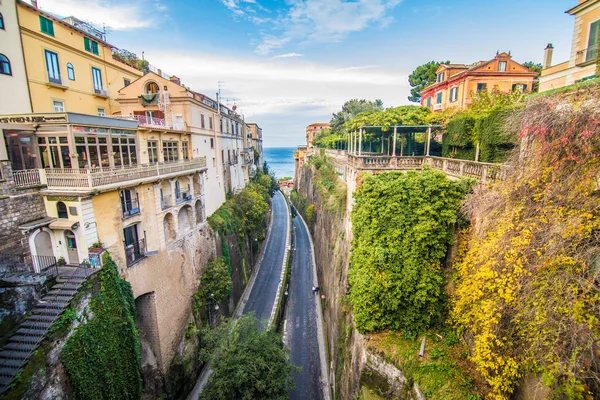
130,207
22,263
135,252
144,120
27,178
88,179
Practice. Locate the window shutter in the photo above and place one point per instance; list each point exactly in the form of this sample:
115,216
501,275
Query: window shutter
86,44
95,48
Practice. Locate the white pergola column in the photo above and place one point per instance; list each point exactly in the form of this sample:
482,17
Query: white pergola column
360,142
395,131
428,140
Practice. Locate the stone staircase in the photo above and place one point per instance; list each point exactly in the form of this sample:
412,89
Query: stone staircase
19,348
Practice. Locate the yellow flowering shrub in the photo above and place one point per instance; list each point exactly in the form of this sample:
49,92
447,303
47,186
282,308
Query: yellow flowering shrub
528,287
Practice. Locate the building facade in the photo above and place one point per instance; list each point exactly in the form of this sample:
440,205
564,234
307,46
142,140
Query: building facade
70,67
584,49
312,130
256,143
457,84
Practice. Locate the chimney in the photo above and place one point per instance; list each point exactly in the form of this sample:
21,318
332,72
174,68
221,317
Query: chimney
159,72
548,56
34,3
175,79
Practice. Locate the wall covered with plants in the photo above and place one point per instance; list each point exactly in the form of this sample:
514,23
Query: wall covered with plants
102,357
402,226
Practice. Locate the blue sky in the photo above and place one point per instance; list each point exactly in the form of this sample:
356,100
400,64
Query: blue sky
289,63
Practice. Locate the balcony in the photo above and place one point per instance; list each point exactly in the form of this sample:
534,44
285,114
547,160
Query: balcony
55,80
130,207
135,252
27,178
105,179
182,198
161,123
437,107
586,56
101,93
26,264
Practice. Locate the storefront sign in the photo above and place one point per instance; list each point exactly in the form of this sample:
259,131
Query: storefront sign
23,119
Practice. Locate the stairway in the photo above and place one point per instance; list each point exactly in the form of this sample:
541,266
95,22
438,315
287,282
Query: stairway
34,329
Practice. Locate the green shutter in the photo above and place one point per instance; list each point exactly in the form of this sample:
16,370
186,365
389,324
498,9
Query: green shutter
46,26
593,41
87,44
95,48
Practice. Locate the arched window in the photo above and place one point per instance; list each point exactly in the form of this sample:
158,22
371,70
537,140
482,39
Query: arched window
62,210
152,87
70,71
1,21
5,65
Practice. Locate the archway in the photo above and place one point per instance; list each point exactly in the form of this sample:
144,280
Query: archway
199,208
184,218
146,321
169,227
44,255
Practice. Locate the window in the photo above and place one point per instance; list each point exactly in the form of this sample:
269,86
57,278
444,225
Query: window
184,149
70,71
592,50
59,106
46,26
439,98
61,209
152,87
54,152
152,151
97,78
441,76
428,102
502,66
91,46
5,65
177,191
135,248
210,123
52,67
481,87
126,82
170,151
212,143
1,21
129,202
519,87
92,151
453,94
124,151
202,120
101,112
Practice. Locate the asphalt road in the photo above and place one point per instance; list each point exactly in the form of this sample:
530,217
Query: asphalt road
262,296
301,319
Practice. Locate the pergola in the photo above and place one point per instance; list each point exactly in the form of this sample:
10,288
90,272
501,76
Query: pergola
406,132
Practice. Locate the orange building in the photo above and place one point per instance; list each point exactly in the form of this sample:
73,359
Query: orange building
457,84
584,51
311,132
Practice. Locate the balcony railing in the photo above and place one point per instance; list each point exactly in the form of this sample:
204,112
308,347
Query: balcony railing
135,252
130,207
587,55
89,179
101,92
27,178
152,122
437,107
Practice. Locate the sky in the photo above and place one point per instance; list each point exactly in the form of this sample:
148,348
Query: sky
289,63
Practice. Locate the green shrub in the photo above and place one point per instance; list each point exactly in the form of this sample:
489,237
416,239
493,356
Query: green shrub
458,142
402,224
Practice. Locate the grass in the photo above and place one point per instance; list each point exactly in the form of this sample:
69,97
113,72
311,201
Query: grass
444,373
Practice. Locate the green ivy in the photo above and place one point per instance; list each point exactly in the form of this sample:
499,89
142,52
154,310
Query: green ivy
102,357
460,137
402,225
495,141
215,285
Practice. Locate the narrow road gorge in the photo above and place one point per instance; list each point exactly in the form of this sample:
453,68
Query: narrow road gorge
301,328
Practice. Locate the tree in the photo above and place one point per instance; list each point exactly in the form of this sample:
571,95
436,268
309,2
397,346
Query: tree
351,109
249,364
215,285
533,67
422,77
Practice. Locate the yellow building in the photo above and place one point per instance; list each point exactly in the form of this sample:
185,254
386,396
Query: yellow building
584,50
70,67
312,130
456,84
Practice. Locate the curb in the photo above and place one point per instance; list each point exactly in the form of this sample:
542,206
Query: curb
286,256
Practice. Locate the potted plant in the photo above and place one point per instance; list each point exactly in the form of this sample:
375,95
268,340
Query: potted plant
96,248
61,261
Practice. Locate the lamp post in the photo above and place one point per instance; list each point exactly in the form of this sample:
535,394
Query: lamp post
212,301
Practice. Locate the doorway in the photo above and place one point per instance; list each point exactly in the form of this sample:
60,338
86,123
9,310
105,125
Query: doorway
43,250
72,253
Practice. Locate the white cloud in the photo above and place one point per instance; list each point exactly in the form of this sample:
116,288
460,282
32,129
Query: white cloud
284,97
312,20
116,15
286,55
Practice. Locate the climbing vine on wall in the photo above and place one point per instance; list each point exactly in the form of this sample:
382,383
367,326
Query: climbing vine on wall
528,287
102,357
402,226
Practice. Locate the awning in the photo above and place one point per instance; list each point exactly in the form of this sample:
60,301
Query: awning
64,225
38,223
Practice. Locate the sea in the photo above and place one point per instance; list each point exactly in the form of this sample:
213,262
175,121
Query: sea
280,160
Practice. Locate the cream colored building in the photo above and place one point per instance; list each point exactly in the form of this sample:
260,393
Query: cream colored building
13,78
584,49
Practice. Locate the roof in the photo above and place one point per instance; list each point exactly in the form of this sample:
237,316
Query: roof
64,225
581,6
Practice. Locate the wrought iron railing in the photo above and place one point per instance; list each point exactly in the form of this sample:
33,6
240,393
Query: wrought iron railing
135,252
23,263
